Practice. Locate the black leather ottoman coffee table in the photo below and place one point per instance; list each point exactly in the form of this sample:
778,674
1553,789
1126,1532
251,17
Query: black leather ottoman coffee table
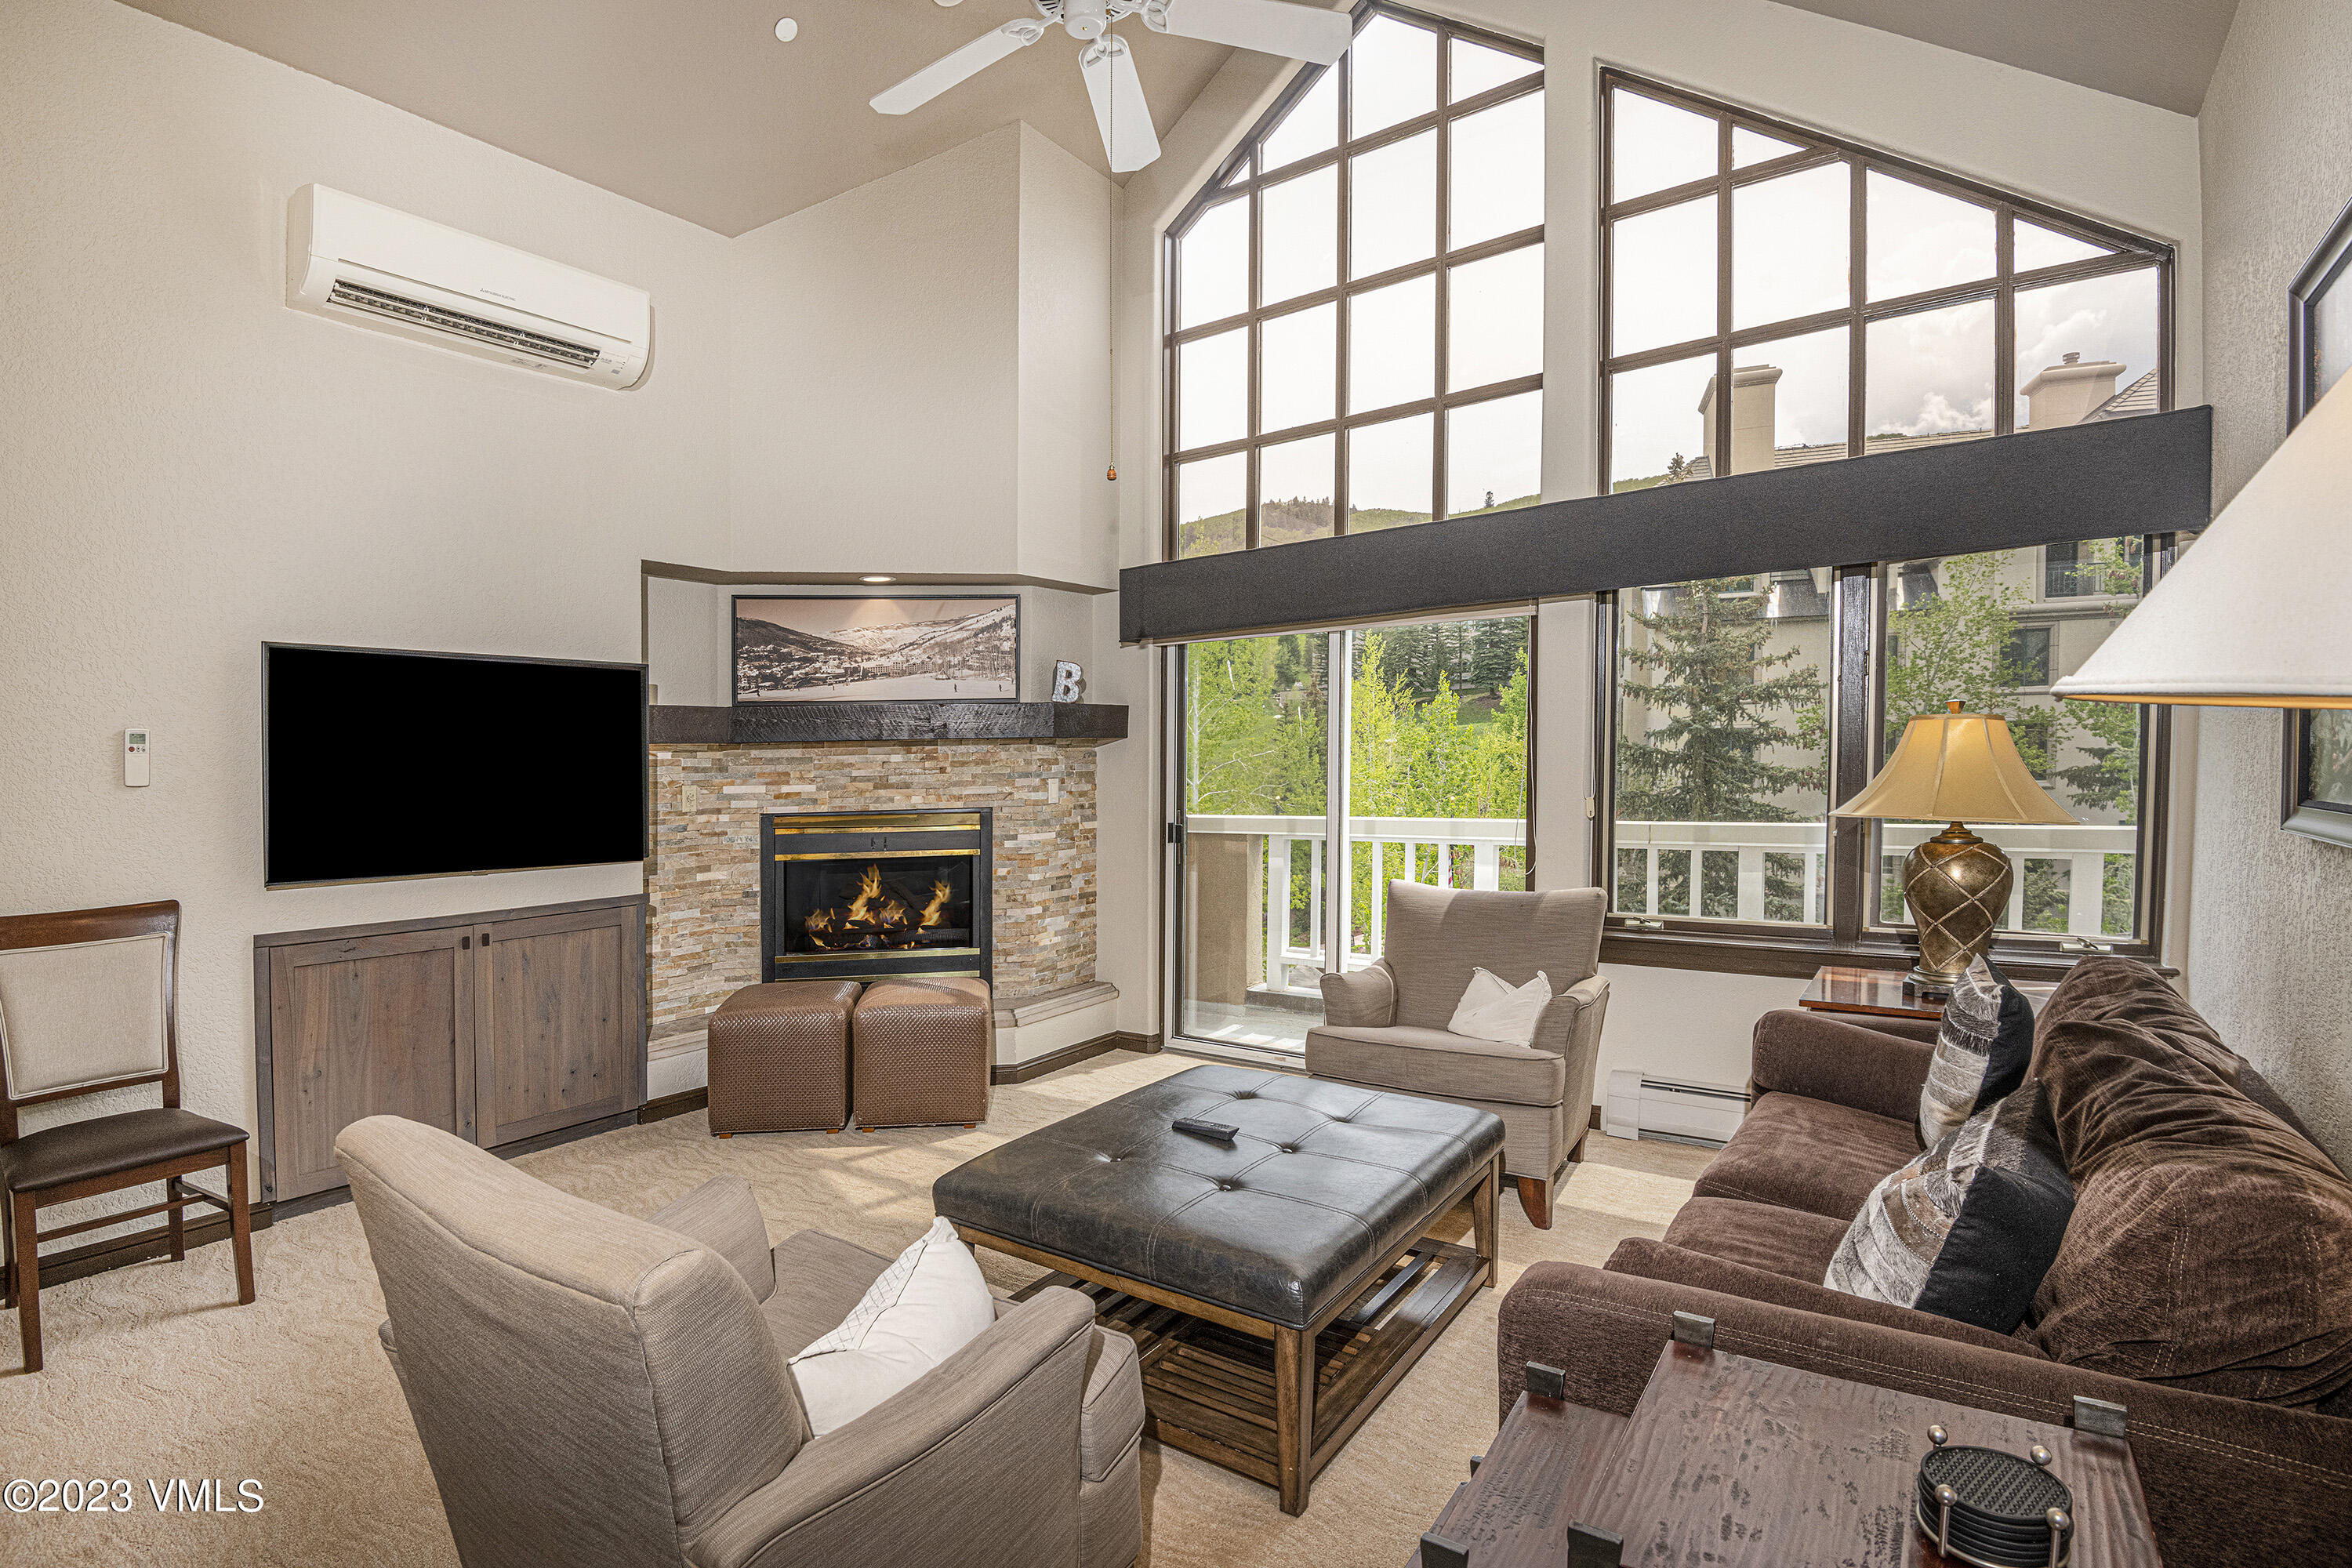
1276,1287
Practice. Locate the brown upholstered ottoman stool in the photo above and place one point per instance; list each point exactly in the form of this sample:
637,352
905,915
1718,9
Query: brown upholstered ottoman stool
922,1049
779,1057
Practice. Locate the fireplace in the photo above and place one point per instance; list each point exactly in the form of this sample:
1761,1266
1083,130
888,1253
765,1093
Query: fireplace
859,896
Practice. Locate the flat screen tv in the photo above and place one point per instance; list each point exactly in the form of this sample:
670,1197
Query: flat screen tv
378,764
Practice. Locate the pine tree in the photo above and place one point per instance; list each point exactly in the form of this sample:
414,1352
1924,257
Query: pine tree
1498,652
1728,699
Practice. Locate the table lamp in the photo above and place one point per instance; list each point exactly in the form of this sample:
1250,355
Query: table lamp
1958,768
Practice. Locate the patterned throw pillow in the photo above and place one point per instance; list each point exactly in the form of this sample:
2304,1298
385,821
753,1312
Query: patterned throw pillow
1967,1229
1982,1050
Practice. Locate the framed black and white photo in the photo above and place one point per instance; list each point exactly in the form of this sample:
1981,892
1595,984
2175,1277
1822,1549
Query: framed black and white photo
2316,796
859,649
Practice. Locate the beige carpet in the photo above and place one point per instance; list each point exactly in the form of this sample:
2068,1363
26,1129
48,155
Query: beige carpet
152,1375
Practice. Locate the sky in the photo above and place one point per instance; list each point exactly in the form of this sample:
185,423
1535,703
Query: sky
1926,373
1929,372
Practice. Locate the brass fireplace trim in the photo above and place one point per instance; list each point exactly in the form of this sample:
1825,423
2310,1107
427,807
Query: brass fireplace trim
867,822
844,955
881,855
909,974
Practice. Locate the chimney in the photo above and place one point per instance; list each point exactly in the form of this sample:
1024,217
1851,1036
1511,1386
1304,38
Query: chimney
1755,393
2063,394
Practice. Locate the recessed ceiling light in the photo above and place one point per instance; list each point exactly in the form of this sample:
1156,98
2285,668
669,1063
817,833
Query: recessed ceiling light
878,579
787,30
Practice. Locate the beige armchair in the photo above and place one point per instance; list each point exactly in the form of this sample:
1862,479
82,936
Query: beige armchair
592,1388
1385,1026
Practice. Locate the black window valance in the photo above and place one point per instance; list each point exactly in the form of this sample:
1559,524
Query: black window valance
2147,475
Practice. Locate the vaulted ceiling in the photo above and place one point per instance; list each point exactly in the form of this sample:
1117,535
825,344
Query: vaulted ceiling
694,107
2158,51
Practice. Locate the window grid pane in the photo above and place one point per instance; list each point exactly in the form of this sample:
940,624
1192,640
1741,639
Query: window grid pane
1878,312
1993,631
1722,762
1354,383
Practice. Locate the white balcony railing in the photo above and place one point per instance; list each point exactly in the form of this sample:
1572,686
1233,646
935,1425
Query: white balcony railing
2082,848
1288,839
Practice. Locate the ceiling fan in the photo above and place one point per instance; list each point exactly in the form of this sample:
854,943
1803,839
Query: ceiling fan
1269,26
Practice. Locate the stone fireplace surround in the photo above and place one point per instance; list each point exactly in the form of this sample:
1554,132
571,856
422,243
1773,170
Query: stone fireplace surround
702,880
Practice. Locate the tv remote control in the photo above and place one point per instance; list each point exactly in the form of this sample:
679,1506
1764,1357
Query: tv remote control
1216,1132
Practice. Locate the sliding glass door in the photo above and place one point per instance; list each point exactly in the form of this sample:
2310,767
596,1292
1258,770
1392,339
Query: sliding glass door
1437,763
1255,760
1405,747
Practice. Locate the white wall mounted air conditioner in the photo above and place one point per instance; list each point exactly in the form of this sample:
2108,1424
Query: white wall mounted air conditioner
372,267
1640,1106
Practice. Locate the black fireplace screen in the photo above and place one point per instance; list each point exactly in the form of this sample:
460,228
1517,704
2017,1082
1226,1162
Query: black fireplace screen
846,896
883,906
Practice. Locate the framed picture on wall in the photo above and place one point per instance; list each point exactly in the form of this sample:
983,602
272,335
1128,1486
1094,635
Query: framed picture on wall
858,648
2315,798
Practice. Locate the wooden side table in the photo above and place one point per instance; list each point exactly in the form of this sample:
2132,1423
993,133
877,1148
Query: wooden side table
1845,988
1744,1464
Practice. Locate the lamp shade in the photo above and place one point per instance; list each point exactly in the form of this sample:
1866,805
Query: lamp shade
1955,767
2256,615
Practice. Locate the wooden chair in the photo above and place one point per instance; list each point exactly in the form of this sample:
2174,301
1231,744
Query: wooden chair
86,1004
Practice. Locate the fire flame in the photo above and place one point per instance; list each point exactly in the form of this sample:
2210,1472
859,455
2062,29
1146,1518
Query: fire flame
869,888
876,917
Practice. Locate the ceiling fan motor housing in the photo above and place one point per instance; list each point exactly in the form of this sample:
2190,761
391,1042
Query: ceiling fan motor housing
1085,19
1272,26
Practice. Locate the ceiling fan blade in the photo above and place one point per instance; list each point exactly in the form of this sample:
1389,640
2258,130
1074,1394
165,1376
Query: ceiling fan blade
1269,26
1120,112
949,69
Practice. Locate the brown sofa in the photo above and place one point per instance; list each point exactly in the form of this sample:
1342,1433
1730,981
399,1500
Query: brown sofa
2205,1282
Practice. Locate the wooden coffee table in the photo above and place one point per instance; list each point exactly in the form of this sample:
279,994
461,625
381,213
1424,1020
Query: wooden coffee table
1246,1394
1744,1464
1279,1280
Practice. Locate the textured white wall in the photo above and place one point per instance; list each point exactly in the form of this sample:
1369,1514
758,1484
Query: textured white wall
187,468
875,350
2104,156
687,647
1067,507
920,373
2267,960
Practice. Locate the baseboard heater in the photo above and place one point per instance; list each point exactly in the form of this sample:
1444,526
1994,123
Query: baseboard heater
1640,1106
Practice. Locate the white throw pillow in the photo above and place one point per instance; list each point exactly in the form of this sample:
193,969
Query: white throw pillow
1493,1009
925,1307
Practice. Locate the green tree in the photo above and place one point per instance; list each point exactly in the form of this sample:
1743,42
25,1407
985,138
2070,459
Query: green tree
1955,643
2106,734
1254,727
1959,642
1730,699
1411,756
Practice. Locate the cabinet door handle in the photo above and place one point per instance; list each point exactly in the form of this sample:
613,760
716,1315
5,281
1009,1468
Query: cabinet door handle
465,941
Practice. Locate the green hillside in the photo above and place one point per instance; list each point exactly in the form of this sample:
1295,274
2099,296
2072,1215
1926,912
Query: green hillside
1224,532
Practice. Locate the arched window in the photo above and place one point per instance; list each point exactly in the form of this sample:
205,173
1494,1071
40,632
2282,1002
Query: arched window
1857,304
1355,327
